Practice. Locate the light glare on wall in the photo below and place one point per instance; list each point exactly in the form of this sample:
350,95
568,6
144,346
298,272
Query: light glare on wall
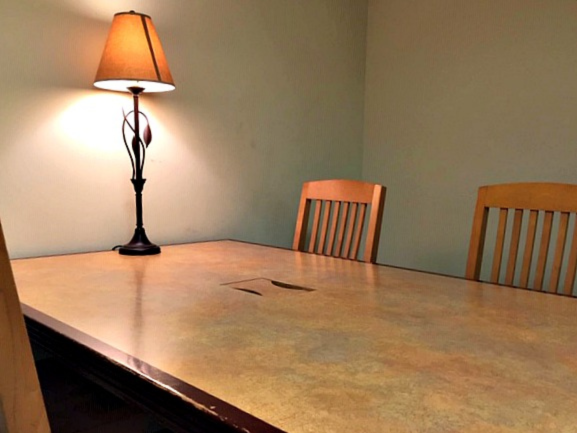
92,122
99,9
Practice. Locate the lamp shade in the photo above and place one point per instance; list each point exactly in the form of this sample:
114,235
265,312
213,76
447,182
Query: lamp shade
133,56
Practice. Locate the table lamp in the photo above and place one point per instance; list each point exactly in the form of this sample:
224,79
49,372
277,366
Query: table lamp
133,61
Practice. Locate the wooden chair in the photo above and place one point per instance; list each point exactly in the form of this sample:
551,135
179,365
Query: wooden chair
539,210
21,404
339,222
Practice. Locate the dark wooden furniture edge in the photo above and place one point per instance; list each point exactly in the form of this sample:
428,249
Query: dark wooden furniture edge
180,406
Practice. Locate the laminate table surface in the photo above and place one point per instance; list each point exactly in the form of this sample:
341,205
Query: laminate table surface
312,344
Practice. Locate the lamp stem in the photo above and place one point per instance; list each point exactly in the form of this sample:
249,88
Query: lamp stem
138,182
139,245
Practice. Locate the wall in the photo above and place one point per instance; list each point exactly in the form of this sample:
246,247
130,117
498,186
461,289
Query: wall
270,93
458,95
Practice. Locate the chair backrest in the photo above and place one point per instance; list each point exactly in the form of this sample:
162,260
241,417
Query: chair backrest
539,212
21,404
339,223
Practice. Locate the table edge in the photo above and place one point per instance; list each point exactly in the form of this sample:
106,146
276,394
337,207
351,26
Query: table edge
182,406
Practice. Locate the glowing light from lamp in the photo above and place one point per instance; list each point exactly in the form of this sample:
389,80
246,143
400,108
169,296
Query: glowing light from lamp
97,114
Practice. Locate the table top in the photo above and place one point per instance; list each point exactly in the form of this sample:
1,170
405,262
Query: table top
312,344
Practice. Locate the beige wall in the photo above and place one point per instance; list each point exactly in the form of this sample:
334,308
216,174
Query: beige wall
270,93
461,94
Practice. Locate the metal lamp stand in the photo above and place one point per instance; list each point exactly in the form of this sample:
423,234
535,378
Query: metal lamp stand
139,245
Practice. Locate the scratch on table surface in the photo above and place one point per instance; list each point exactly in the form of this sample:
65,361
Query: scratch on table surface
263,286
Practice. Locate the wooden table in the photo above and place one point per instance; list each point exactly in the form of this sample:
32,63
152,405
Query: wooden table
229,336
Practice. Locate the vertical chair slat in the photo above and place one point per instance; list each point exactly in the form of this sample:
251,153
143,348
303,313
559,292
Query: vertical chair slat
324,226
571,264
374,224
316,222
358,231
514,247
301,228
333,231
559,251
477,242
344,219
543,249
529,247
500,242
350,228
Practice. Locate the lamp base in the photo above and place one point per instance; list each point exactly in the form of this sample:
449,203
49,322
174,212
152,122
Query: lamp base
139,245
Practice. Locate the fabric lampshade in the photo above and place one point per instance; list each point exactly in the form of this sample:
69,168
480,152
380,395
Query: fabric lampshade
133,56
